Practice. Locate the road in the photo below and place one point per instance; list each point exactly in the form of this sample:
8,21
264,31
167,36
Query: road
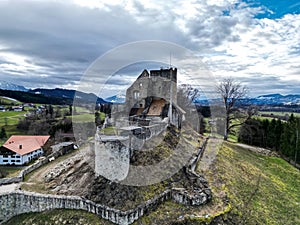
8,188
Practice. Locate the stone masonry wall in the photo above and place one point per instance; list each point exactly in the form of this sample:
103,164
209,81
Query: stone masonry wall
19,202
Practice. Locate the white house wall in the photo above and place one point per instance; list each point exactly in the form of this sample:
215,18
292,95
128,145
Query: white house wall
17,159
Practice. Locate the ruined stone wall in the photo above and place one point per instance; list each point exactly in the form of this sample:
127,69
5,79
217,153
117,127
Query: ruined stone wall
11,180
19,202
151,87
16,203
22,202
112,157
194,160
140,85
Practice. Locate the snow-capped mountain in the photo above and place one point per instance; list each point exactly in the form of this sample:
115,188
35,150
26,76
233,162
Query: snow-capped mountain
117,99
276,99
4,85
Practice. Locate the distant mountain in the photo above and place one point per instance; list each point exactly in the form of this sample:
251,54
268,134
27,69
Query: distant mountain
274,99
117,99
4,85
68,94
270,96
269,99
35,98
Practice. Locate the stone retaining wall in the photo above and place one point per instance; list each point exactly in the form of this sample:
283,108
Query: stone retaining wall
19,202
194,160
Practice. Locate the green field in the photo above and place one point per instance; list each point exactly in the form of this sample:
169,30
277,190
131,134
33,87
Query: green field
85,117
9,121
288,114
10,117
80,118
11,171
5,101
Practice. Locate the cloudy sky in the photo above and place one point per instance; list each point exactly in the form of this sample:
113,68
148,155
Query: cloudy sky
52,43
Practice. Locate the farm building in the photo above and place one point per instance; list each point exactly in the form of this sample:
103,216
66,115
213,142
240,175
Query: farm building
19,150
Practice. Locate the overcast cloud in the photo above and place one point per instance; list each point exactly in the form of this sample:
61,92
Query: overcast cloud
52,43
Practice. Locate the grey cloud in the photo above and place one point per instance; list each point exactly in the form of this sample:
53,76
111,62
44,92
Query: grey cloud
64,39
259,84
61,40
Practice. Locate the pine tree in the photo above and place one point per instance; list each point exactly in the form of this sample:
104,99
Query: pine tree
3,133
278,133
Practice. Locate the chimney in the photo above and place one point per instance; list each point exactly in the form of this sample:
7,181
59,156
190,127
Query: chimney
20,146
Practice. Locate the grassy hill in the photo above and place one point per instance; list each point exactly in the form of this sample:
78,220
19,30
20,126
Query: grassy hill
9,101
258,190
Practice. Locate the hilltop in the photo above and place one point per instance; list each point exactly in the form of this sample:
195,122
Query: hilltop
248,188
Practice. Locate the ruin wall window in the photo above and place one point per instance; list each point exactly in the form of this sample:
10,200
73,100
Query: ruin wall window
136,94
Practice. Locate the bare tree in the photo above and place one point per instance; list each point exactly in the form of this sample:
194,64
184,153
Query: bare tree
232,92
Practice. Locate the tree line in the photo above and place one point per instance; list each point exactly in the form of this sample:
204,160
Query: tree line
277,135
35,98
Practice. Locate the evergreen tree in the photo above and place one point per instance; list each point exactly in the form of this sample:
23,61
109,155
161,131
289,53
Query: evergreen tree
3,133
278,133
271,134
51,110
97,118
70,110
288,137
297,148
265,135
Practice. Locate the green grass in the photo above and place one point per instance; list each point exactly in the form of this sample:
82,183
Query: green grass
80,118
11,171
11,113
262,190
5,101
79,109
11,130
279,113
109,131
58,216
10,117
85,117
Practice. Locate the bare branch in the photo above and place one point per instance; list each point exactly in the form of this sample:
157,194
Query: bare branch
231,92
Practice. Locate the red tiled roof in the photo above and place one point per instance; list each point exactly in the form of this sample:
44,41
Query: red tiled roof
25,144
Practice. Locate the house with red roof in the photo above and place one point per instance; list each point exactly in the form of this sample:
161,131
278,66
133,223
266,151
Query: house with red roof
21,149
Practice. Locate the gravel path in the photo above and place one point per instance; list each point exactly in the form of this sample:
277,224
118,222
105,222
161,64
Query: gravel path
210,153
257,150
8,188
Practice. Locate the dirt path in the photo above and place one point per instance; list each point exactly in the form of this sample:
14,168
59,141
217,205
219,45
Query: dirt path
210,153
8,188
258,150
